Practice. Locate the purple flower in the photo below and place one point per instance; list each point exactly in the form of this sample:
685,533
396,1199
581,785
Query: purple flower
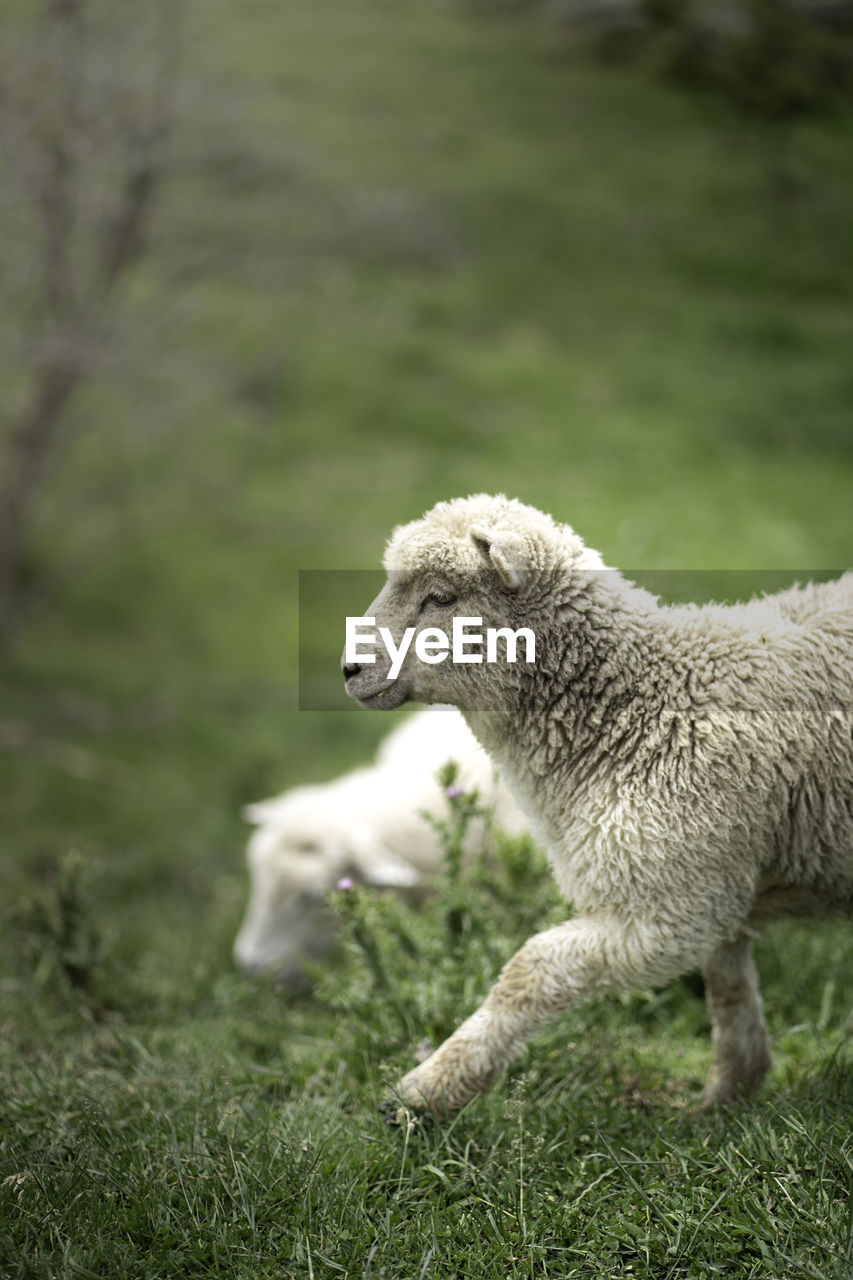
453,792
345,883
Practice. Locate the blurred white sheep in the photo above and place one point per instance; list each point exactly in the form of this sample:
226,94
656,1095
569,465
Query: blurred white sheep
368,827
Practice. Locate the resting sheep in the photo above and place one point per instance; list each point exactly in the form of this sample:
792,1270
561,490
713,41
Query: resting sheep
368,826
688,770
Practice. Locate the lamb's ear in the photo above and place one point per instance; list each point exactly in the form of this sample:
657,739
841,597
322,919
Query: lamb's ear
387,873
505,552
370,864
258,812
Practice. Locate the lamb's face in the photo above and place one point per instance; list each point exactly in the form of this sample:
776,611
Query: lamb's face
438,622
288,919
314,838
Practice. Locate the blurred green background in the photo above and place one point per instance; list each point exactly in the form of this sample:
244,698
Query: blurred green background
395,252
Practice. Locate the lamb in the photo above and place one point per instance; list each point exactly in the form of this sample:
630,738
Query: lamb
688,770
367,825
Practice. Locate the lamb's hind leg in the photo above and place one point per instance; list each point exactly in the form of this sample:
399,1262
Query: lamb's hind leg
738,1033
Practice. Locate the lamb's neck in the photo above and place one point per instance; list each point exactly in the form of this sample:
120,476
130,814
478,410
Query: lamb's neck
587,699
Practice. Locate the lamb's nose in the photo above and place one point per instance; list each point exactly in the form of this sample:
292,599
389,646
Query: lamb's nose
350,669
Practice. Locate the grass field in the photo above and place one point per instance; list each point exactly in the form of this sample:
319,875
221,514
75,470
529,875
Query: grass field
405,251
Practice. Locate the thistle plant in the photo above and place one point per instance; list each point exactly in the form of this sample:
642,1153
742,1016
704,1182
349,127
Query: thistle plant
399,980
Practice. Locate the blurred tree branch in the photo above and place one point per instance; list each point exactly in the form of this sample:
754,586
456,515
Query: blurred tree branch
85,247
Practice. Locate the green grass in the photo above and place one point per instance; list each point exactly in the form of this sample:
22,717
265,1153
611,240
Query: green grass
158,1127
404,252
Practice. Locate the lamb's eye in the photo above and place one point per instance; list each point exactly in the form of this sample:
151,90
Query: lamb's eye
440,597
305,846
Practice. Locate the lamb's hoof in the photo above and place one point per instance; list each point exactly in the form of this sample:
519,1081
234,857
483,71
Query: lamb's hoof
397,1116
719,1094
392,1113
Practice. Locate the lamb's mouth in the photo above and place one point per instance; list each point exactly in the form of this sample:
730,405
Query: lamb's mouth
387,698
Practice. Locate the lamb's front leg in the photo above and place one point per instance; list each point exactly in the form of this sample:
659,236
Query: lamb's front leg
579,958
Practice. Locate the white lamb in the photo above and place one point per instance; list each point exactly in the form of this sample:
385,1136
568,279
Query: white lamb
368,826
689,770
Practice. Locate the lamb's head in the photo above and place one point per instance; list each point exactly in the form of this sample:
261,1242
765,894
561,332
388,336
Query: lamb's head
306,843
487,558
